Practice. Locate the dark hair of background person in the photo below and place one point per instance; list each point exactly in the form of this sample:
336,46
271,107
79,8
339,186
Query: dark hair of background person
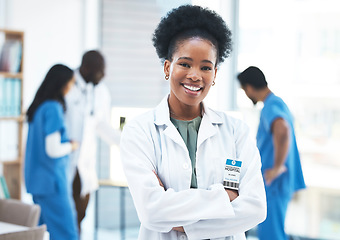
92,66
51,88
252,76
188,21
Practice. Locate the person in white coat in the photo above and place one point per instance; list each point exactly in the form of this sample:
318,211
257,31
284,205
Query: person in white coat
87,116
193,172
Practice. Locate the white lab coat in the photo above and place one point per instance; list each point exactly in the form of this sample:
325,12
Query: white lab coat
151,142
88,112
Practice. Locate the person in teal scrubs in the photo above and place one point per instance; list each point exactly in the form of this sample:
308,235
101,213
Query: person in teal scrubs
47,155
281,166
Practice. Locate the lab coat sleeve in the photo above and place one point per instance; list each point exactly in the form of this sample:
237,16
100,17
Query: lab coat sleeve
104,129
107,133
249,206
161,210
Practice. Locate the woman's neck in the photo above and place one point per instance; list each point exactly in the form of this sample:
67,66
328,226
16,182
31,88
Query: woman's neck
185,112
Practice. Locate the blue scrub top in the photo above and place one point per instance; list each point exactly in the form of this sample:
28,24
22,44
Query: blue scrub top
292,180
45,175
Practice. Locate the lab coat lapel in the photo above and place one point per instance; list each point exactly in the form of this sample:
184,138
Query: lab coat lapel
174,135
207,128
162,118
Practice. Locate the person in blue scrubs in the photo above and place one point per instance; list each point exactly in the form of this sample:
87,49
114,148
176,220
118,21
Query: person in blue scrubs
47,155
281,166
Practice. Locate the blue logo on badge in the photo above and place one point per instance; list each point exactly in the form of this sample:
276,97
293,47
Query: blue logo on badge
235,163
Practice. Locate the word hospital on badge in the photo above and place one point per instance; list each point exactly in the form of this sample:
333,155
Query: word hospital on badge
232,174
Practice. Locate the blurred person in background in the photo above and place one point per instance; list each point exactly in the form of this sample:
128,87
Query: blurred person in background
176,157
87,116
47,154
281,167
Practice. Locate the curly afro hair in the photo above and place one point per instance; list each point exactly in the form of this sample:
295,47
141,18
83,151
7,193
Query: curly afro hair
189,21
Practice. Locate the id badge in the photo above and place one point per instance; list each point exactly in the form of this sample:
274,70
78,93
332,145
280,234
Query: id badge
232,174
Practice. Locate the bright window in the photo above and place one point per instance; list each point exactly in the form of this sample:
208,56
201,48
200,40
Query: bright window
296,44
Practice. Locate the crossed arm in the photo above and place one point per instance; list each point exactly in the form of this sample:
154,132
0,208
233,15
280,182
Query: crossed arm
233,194
159,210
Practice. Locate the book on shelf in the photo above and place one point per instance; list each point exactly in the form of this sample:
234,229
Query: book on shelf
2,96
2,40
10,97
10,56
16,89
4,193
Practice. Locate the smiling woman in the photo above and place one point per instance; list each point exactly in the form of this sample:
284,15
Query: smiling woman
192,71
175,156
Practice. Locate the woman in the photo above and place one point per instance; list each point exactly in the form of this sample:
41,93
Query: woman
179,158
47,154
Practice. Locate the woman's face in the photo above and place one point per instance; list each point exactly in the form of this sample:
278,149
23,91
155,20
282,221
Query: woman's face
191,71
69,85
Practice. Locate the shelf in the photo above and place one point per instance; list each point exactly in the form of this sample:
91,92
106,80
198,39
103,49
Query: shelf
20,118
11,32
11,75
10,162
12,119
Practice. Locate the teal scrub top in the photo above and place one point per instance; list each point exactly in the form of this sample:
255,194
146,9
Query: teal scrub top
45,175
189,132
292,180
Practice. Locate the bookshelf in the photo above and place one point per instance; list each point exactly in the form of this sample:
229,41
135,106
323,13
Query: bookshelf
11,112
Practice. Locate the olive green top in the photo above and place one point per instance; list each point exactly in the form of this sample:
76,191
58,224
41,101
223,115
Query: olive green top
189,131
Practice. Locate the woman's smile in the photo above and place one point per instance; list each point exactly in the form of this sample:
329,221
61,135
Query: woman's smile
192,89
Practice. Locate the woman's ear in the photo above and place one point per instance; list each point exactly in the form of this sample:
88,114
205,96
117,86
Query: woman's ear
166,69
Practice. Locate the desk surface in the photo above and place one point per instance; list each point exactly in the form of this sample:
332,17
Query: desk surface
113,183
9,227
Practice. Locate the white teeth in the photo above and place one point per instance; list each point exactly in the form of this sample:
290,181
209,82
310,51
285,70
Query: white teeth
192,88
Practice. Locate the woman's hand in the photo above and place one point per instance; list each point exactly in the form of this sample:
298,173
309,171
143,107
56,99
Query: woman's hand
159,180
74,145
179,229
233,194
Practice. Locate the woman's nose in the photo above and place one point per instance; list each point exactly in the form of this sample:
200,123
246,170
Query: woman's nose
194,75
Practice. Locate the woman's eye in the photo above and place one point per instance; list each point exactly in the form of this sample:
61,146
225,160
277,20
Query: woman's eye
184,65
206,68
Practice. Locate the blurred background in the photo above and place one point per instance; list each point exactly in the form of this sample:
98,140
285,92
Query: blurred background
295,42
